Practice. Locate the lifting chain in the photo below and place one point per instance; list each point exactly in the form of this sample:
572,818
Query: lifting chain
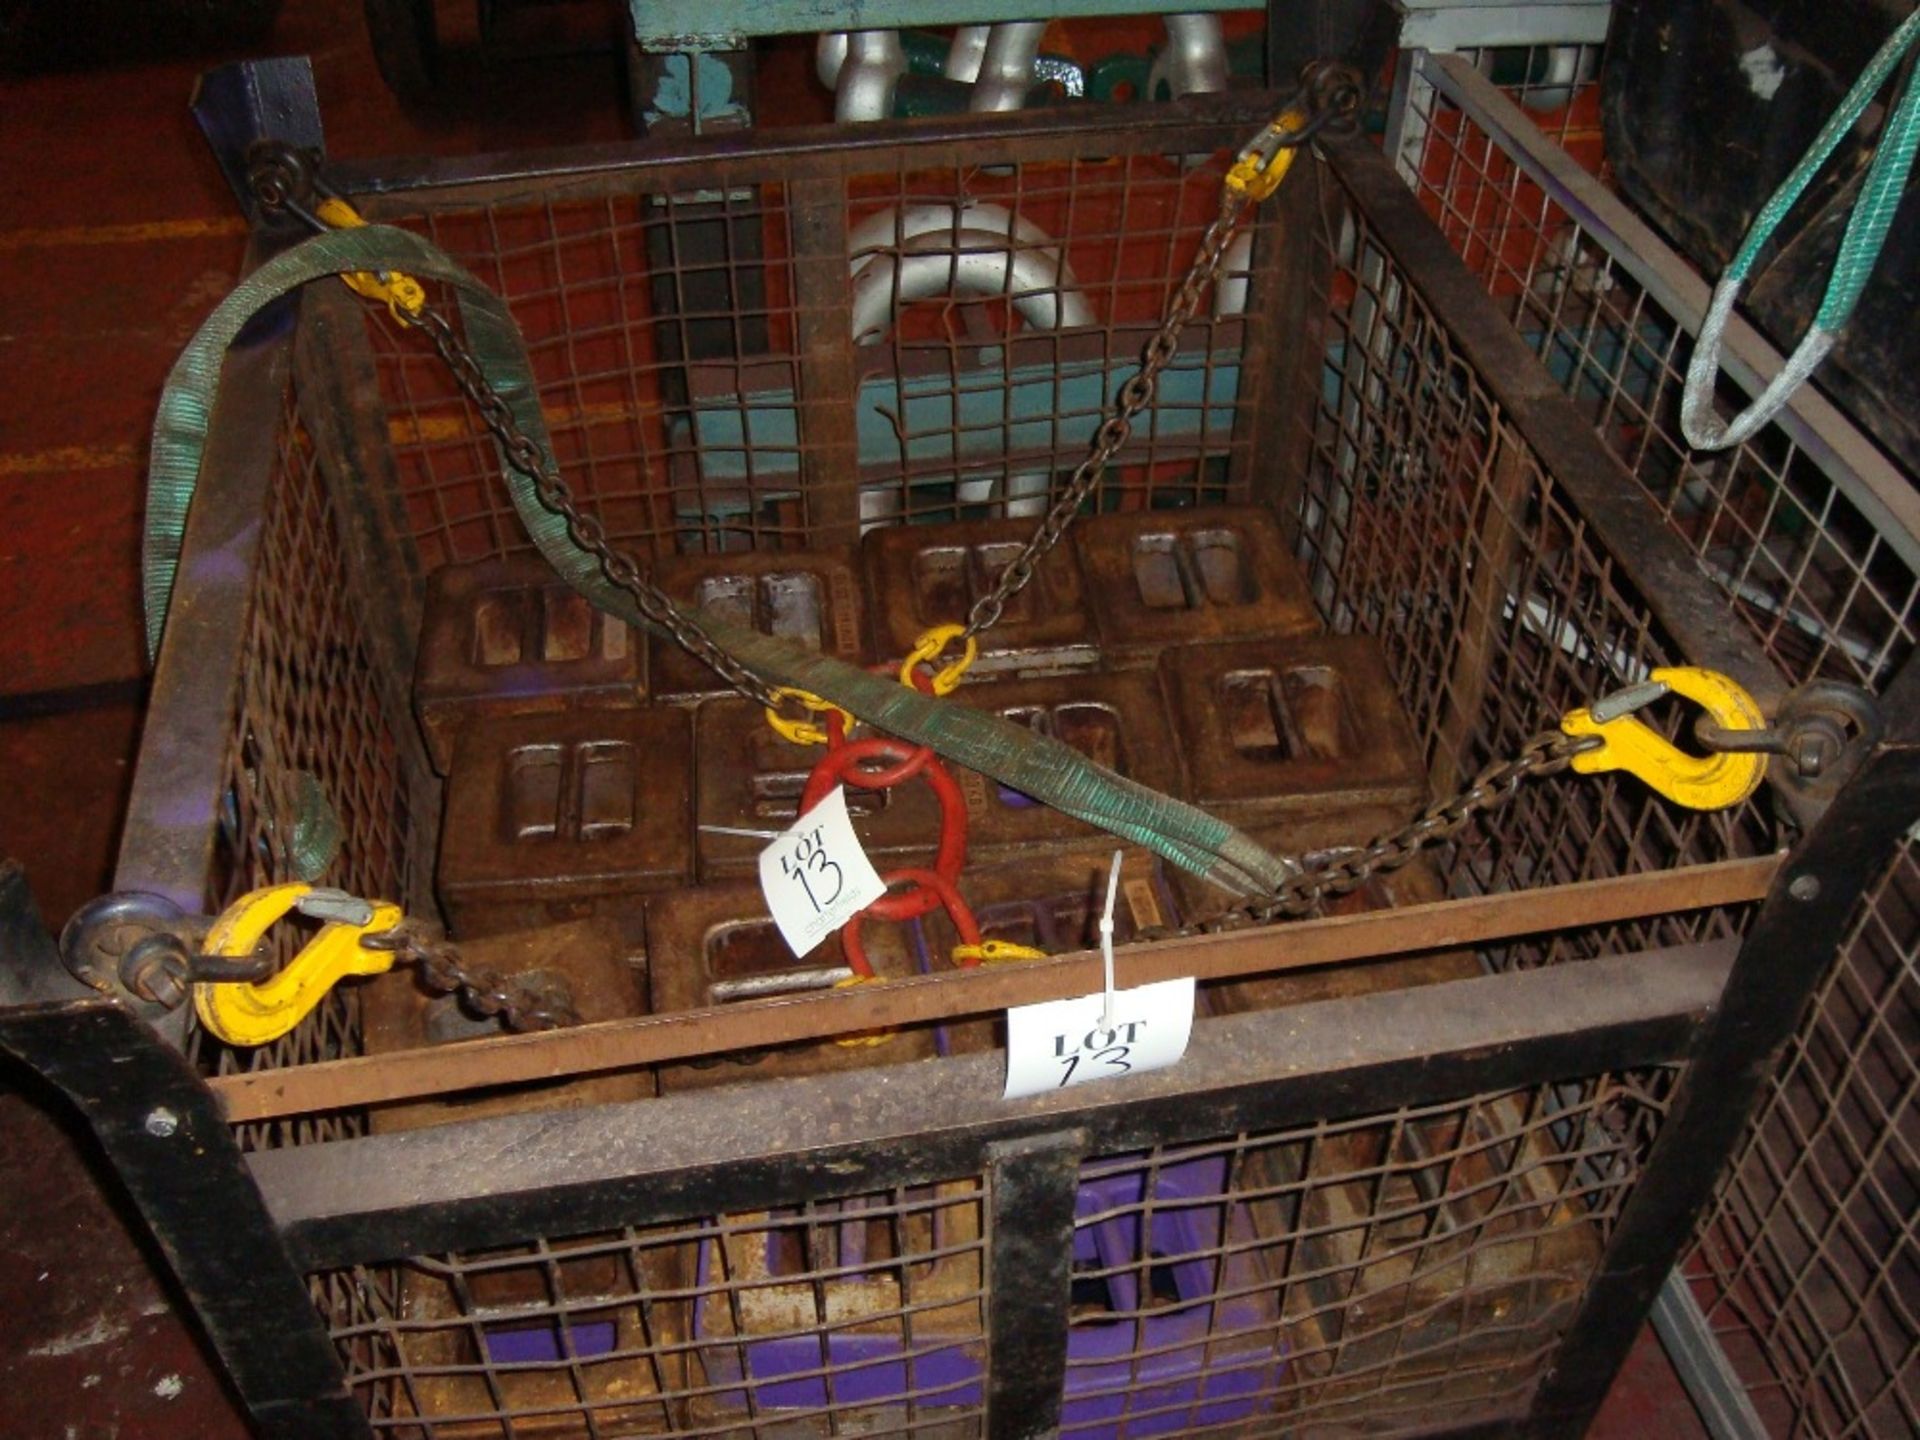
524,454
443,970
149,947
1330,96
1340,872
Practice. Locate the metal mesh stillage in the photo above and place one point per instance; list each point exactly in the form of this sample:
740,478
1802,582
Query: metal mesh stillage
1805,1268
746,348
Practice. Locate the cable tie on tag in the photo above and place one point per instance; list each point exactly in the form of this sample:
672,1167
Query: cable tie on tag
1106,939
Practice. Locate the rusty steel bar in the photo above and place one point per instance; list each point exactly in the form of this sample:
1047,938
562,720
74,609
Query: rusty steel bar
649,1039
1675,590
497,1180
409,187
1031,1187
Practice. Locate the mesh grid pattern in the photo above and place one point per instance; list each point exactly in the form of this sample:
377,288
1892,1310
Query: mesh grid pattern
1823,590
666,331
310,752
1398,1265
1808,1263
1808,1267
1396,1270
1428,523
1557,86
1332,1271
860,1315
1126,232
631,306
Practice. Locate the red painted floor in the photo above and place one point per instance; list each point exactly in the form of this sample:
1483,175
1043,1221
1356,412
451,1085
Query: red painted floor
116,236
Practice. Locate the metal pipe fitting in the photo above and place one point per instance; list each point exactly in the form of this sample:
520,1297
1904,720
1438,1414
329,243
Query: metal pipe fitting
917,252
1036,279
1025,495
829,54
1006,66
875,61
1231,288
1194,61
893,228
964,55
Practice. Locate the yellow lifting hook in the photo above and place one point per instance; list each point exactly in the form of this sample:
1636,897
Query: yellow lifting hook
252,1014
1710,782
403,295
1265,160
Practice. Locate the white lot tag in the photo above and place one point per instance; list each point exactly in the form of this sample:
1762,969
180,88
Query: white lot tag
1097,1037
815,876
1069,1042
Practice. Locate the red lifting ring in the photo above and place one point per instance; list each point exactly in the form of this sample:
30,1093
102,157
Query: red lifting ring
839,766
930,883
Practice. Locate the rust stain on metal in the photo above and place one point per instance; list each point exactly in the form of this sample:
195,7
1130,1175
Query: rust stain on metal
647,1040
1157,578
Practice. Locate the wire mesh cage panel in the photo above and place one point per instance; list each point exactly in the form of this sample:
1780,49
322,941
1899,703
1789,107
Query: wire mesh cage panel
1420,513
1390,1269
762,364
311,770
1797,534
859,1314
665,330
1805,1267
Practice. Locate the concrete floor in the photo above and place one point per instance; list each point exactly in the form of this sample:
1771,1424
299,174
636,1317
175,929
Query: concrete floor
118,235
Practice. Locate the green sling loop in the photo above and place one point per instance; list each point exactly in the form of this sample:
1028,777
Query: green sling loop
1051,772
1873,213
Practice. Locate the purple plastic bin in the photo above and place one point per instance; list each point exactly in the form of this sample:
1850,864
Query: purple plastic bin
1106,1390
541,1344
786,1370
1174,1375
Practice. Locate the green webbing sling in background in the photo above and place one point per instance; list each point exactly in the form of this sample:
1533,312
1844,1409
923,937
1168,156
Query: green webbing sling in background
1860,247
1036,765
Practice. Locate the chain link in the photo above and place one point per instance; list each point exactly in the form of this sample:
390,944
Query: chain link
445,971
276,180
555,494
1114,432
520,451
1344,871
441,965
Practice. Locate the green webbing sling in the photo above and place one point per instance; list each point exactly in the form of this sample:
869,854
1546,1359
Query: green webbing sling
1036,765
1873,213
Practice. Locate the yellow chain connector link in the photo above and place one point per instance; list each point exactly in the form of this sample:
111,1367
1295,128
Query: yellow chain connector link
805,732
1265,160
403,295
252,1014
864,1037
1712,782
996,952
928,647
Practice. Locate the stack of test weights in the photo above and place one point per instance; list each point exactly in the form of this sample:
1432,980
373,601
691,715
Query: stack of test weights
1179,648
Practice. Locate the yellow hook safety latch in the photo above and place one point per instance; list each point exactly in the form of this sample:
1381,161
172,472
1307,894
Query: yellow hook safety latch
252,1014
1710,782
1265,160
403,295
996,952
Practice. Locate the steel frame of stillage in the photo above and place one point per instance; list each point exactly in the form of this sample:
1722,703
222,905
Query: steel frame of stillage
240,1230
703,25
1431,28
1857,469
